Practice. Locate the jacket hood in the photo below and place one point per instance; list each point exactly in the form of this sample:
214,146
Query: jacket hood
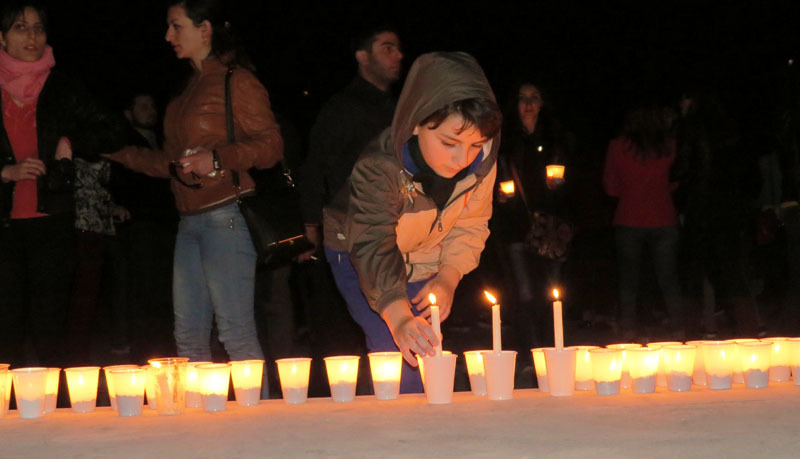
435,80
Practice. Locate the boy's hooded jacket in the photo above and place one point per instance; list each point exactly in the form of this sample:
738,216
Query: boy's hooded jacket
393,233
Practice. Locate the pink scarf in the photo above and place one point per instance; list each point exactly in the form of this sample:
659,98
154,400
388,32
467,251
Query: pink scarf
24,80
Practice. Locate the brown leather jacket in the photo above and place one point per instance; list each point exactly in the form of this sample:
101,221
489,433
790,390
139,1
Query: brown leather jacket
197,118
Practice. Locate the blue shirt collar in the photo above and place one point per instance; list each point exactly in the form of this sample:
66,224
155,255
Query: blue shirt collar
411,167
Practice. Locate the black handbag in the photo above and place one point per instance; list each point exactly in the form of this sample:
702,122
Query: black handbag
549,236
272,213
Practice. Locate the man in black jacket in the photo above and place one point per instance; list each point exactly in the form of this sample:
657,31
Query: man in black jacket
348,121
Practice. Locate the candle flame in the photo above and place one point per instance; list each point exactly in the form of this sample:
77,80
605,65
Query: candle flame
777,348
432,298
247,370
555,293
753,358
549,173
490,297
156,364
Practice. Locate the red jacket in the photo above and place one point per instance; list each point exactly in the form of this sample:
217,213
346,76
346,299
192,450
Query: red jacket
642,186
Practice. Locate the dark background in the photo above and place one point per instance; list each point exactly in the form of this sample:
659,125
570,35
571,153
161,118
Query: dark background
592,59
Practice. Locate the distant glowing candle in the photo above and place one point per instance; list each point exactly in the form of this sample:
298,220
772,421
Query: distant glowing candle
555,171
436,323
558,324
507,187
496,338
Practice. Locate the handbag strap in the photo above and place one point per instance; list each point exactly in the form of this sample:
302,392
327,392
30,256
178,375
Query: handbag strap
229,128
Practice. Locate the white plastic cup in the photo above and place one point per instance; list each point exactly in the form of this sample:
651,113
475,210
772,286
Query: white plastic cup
584,381
293,374
82,385
247,376
342,373
476,371
794,346
440,372
661,377
779,370
129,386
30,384
9,382
560,371
112,394
540,365
51,392
150,388
737,377
499,370
718,360
606,370
215,379
678,365
386,368
699,372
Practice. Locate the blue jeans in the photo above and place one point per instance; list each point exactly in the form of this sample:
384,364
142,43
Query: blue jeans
379,338
663,245
214,276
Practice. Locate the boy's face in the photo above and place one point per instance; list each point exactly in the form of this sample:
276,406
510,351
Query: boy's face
447,149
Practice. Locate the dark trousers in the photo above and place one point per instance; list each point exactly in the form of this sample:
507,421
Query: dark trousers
85,296
662,242
37,265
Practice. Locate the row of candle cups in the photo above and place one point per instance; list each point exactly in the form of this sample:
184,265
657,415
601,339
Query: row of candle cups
716,364
163,381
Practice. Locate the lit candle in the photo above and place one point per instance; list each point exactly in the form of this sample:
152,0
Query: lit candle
558,324
661,378
507,187
583,368
214,379
555,171
436,323
496,339
606,370
342,376
386,368
679,365
643,368
475,369
30,385
540,365
129,387
779,370
112,394
51,395
293,374
82,384
755,363
718,361
194,399
9,383
4,383
247,376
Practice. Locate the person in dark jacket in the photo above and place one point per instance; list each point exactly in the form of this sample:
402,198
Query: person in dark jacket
350,119
46,117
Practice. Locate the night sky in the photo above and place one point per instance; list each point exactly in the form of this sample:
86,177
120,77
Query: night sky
593,60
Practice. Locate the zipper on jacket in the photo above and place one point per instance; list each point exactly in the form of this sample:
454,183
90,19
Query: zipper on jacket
439,212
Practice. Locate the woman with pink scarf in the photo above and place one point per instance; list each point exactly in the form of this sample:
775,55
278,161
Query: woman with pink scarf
45,117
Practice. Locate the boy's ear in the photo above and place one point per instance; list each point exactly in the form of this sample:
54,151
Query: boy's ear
416,130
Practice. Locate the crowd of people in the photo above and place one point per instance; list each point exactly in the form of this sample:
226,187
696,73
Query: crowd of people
103,210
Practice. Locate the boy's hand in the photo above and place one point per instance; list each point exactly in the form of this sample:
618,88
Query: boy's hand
412,334
444,287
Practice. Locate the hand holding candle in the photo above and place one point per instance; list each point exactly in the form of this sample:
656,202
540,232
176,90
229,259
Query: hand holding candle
436,323
496,338
558,324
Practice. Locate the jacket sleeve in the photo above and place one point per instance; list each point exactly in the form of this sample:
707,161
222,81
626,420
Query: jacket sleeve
462,247
374,209
258,137
151,162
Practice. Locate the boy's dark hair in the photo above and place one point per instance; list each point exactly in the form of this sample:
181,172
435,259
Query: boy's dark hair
14,9
482,113
366,37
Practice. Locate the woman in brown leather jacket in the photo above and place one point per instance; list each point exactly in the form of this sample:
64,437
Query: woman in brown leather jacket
215,260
